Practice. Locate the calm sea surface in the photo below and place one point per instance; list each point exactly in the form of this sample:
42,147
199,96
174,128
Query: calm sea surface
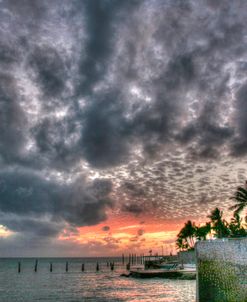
75,285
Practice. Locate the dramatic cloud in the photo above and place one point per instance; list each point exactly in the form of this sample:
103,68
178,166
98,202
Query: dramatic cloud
134,107
33,203
132,208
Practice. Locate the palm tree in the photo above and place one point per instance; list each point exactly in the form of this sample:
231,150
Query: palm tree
181,244
240,197
236,227
187,235
201,232
219,225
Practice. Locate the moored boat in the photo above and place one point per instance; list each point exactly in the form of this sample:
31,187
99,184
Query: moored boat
167,270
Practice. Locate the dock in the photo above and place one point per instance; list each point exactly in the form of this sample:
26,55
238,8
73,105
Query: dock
163,273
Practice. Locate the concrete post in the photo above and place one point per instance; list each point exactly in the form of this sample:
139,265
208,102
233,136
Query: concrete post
222,270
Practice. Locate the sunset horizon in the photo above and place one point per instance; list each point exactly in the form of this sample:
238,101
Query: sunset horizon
119,122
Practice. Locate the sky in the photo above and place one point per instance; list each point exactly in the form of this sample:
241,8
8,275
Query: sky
119,121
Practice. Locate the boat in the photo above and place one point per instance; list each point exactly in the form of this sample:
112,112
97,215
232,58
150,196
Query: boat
166,270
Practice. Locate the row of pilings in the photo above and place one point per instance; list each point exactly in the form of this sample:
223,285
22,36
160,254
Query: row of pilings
111,264
127,262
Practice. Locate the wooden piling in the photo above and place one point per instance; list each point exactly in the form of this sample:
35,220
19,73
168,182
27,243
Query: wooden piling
50,266
67,266
82,267
112,266
19,267
97,267
123,259
128,266
36,266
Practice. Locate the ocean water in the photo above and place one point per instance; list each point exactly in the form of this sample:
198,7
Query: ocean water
76,286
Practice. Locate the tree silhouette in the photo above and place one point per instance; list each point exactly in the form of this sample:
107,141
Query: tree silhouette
218,224
203,231
240,197
186,236
236,227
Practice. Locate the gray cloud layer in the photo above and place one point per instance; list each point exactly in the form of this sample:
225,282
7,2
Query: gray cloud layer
144,94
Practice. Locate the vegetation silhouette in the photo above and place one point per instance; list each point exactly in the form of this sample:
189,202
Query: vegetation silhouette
240,197
217,226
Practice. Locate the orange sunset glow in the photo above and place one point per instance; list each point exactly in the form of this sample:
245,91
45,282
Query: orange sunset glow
127,235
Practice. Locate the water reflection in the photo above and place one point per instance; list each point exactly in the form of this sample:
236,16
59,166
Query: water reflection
90,285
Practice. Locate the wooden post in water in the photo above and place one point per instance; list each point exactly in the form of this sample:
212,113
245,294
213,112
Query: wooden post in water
50,266
97,267
128,266
36,265
123,259
67,266
112,266
129,258
82,267
19,267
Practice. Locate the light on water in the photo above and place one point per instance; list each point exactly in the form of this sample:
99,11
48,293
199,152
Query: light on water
75,285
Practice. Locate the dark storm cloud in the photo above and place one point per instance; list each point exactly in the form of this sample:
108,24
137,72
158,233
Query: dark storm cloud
133,209
28,196
101,18
104,132
8,54
31,226
153,125
104,136
50,70
239,146
12,120
147,94
99,26
133,190
207,133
